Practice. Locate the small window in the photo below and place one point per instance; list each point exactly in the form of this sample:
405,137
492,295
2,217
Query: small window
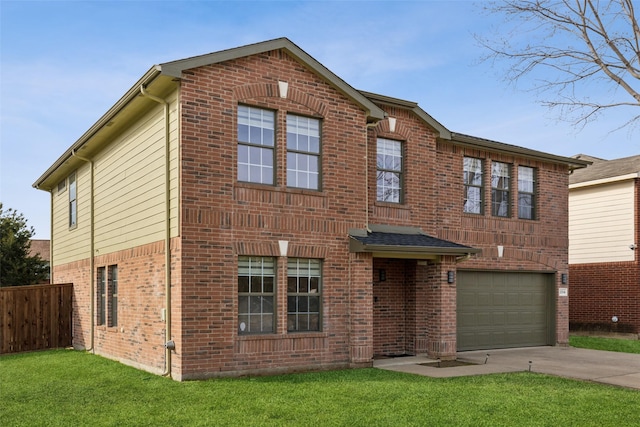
526,192
112,289
389,166
500,196
304,293
256,281
101,300
473,185
62,186
303,152
73,201
256,141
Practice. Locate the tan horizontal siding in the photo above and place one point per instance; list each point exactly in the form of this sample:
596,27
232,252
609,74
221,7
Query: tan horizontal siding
72,244
601,223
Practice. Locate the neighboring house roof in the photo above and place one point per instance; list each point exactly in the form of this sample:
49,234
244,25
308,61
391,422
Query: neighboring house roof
160,80
42,248
606,170
403,241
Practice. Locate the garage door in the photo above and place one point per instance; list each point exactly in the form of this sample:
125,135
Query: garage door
503,310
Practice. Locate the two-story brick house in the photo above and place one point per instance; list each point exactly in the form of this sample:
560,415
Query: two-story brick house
247,211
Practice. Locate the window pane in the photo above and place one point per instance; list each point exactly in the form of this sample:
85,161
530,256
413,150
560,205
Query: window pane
314,304
314,322
303,145
255,161
303,277
256,277
292,284
473,200
389,175
243,305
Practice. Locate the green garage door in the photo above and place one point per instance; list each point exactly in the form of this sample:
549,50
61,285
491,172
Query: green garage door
503,310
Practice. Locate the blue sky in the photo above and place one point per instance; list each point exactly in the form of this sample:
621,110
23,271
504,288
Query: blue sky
64,64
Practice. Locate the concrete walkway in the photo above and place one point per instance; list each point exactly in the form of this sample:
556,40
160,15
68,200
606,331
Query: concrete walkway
620,369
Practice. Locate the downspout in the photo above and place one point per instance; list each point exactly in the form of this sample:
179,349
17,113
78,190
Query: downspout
51,281
169,344
92,249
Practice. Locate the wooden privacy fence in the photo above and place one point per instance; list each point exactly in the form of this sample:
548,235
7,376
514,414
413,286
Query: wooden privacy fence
35,317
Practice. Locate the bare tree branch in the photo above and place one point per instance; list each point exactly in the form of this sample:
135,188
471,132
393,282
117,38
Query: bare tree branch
560,48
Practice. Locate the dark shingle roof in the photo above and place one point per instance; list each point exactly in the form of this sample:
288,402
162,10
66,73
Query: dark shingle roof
397,239
407,241
602,169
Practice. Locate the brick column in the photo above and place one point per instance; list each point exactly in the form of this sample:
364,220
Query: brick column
360,309
441,305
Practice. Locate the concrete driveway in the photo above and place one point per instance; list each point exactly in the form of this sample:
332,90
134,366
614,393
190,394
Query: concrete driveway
620,369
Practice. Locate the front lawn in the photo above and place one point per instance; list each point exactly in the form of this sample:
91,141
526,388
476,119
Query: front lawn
608,344
64,387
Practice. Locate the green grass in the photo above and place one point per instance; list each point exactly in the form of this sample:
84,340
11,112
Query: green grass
608,344
63,388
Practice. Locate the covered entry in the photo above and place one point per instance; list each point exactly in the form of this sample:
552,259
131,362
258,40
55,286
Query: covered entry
504,309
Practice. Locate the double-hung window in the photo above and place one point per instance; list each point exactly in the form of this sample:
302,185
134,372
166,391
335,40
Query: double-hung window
256,145
500,196
303,152
73,201
256,282
304,289
473,185
107,292
101,285
526,192
112,287
389,170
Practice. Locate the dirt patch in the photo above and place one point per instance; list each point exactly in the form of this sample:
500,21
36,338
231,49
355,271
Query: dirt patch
447,364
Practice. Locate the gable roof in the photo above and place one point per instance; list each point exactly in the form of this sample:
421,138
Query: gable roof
175,68
473,141
161,78
601,169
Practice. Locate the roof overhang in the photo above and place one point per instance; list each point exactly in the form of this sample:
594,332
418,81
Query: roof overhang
130,106
500,147
443,132
592,183
403,242
175,69
160,80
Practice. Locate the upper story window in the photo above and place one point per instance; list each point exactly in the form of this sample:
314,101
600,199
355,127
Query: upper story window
389,166
500,196
256,145
473,185
526,192
256,293
303,152
304,291
73,201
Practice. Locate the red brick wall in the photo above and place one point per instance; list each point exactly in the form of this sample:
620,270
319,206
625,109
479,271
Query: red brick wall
391,306
222,219
601,291
139,336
